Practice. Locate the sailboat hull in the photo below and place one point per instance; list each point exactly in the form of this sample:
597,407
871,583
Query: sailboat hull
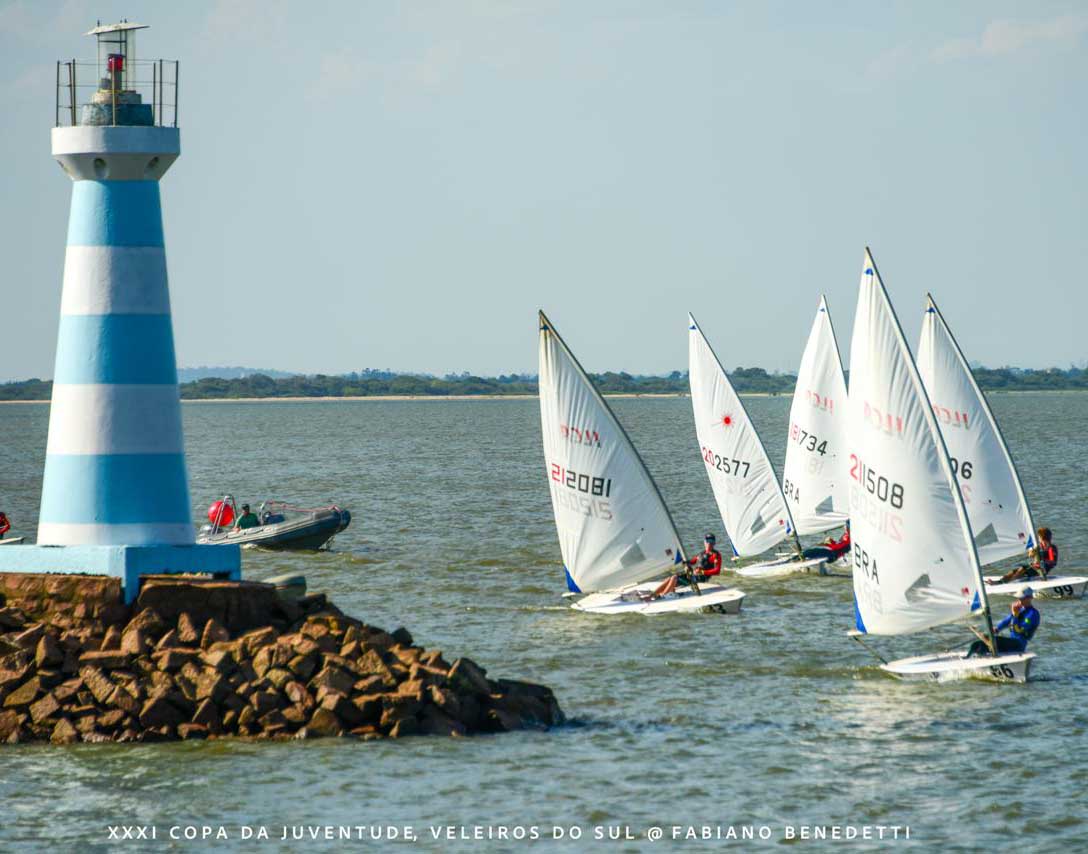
711,599
788,566
1055,587
952,666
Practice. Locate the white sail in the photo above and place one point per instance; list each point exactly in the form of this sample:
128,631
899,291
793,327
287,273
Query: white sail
990,485
814,475
745,486
614,528
915,564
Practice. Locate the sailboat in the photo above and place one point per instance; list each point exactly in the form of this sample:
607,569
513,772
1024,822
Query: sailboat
746,488
992,491
617,537
914,556
814,477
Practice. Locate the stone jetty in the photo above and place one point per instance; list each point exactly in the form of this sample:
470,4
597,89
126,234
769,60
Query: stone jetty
193,658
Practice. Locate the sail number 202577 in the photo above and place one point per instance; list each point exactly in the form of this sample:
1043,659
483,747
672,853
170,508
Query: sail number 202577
724,464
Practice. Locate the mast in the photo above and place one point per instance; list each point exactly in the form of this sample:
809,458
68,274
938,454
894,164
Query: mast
987,411
759,442
546,326
946,466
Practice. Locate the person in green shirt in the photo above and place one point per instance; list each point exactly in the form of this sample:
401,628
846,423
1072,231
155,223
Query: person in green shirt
247,519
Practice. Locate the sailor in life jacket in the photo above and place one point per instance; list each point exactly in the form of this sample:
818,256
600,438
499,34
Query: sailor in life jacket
708,562
1044,557
1022,622
831,549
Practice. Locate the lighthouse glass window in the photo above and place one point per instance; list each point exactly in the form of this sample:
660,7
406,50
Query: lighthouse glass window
121,42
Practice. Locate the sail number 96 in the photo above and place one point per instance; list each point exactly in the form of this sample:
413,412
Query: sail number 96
876,484
724,464
962,470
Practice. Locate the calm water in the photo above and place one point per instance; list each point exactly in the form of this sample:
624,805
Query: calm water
771,718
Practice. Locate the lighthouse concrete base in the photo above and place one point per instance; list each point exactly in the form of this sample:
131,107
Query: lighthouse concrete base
128,563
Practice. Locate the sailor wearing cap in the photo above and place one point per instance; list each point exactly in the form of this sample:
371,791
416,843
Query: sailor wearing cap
1022,623
708,561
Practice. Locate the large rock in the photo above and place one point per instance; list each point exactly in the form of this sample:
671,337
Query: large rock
48,652
238,606
24,695
467,677
159,712
324,723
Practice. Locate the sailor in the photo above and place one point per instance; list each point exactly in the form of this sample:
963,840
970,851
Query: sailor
708,561
5,525
1044,557
247,519
1022,622
832,549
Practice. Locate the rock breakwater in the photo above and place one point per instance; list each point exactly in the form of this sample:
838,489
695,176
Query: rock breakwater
207,659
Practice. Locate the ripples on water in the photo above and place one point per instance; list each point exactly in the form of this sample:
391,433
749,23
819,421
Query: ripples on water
773,717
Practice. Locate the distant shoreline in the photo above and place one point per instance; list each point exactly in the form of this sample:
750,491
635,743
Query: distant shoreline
617,395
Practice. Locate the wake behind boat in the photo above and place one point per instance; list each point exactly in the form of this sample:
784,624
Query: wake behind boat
276,525
915,562
615,532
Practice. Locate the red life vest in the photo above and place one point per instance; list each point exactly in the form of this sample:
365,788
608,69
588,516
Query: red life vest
840,547
708,562
1049,557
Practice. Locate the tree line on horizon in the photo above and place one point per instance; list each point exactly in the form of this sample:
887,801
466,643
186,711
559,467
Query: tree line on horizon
380,383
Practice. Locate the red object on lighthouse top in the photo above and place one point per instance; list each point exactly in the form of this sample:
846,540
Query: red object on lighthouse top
115,62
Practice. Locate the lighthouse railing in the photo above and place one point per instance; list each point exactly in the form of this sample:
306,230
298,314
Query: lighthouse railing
154,80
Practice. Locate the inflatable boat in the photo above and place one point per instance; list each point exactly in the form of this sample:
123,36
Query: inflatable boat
280,526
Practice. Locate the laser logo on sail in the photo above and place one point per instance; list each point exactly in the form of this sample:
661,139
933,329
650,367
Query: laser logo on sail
580,436
820,401
886,422
951,418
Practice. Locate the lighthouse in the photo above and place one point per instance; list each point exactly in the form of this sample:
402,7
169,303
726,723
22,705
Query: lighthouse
115,495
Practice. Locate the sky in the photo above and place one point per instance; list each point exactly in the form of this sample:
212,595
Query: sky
403,184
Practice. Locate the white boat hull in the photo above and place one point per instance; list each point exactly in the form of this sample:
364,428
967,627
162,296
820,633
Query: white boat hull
712,598
788,566
952,666
1055,587
11,541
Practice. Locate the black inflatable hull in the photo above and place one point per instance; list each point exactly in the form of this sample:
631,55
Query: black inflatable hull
310,532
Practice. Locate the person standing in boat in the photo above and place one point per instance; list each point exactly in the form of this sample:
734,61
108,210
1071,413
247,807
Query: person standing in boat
1044,557
5,525
832,549
246,520
1022,622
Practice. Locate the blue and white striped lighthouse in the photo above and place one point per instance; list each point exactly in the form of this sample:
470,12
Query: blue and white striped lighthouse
115,492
